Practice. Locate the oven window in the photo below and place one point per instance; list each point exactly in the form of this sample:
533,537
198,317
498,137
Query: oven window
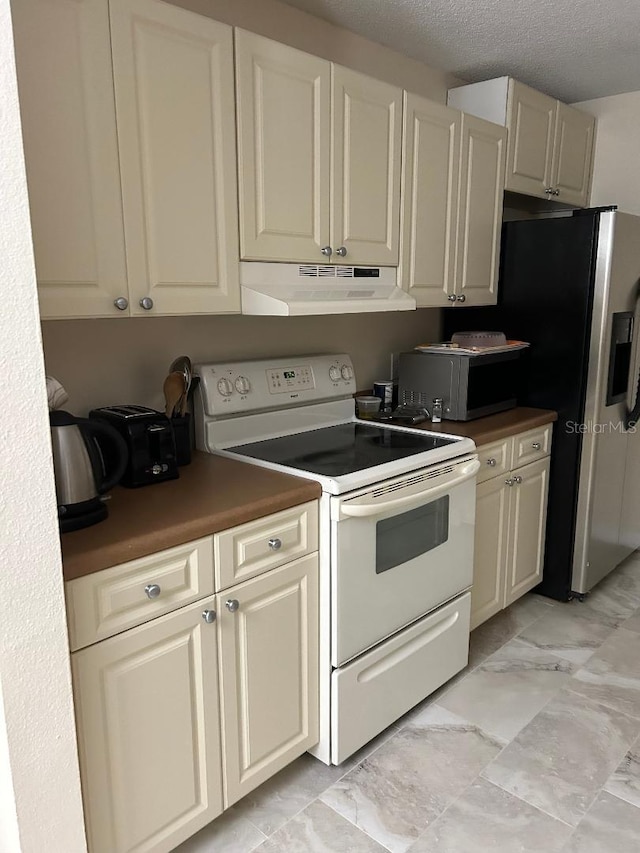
410,534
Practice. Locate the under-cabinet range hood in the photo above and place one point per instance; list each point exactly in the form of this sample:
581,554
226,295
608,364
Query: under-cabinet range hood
302,289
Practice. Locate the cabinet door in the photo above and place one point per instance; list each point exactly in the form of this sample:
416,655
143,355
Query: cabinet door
149,733
480,211
572,154
430,169
527,529
283,98
269,673
173,74
531,121
366,142
490,554
69,127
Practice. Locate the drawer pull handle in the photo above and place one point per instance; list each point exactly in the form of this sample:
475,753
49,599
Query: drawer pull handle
232,605
209,616
491,462
275,544
517,479
536,445
152,590
509,481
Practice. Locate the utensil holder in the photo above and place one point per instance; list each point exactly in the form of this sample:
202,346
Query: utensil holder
182,436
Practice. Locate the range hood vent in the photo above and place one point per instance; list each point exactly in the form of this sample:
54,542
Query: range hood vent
305,289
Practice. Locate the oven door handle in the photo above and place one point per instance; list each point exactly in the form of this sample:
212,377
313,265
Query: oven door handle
467,472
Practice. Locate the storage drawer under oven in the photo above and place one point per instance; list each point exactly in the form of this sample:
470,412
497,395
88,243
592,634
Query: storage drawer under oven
369,693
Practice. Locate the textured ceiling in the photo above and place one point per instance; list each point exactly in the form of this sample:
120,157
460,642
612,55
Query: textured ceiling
574,50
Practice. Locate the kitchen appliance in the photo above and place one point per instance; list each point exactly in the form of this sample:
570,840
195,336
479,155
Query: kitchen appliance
569,285
89,458
396,532
150,441
470,384
301,289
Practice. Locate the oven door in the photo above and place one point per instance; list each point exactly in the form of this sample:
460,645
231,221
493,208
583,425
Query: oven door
398,550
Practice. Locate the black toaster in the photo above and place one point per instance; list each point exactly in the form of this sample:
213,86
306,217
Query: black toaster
150,441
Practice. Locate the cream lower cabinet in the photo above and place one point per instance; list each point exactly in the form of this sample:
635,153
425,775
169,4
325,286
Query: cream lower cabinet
133,195
180,716
511,515
319,158
452,192
269,673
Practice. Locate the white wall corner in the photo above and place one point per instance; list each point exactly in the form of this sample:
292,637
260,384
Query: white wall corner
40,800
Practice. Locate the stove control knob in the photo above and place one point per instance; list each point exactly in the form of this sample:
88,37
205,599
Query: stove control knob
334,373
225,387
346,372
243,386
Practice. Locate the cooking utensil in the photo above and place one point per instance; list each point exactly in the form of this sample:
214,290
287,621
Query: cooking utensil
174,390
182,364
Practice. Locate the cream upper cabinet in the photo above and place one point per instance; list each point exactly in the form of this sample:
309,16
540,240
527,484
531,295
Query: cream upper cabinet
531,121
452,191
550,148
365,179
480,211
173,75
69,129
153,169
149,733
572,154
283,100
269,673
511,515
430,178
319,158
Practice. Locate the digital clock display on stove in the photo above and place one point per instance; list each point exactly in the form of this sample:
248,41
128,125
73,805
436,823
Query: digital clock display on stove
289,374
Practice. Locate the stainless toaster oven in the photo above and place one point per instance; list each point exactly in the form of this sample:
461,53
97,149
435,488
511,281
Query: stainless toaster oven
469,385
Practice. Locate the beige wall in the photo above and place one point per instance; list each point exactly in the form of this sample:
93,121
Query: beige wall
283,23
125,360
40,803
616,169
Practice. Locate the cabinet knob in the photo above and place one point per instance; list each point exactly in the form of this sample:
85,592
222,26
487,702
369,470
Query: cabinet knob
509,481
341,251
451,297
275,544
152,590
147,303
536,445
491,462
232,605
556,192
462,298
209,616
517,479
327,251
121,303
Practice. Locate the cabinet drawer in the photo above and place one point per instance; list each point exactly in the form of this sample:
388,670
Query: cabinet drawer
105,603
371,692
531,445
494,459
253,548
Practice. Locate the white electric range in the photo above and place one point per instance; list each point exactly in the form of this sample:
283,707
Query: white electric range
396,532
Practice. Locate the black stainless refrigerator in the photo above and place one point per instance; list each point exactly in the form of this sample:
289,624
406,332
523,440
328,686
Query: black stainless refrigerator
569,285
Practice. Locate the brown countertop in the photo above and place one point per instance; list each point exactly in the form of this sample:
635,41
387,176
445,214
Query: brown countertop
495,427
212,493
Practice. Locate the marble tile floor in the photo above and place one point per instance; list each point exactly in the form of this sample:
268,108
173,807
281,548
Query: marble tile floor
535,746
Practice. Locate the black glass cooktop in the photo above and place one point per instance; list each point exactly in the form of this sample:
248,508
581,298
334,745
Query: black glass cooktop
343,449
